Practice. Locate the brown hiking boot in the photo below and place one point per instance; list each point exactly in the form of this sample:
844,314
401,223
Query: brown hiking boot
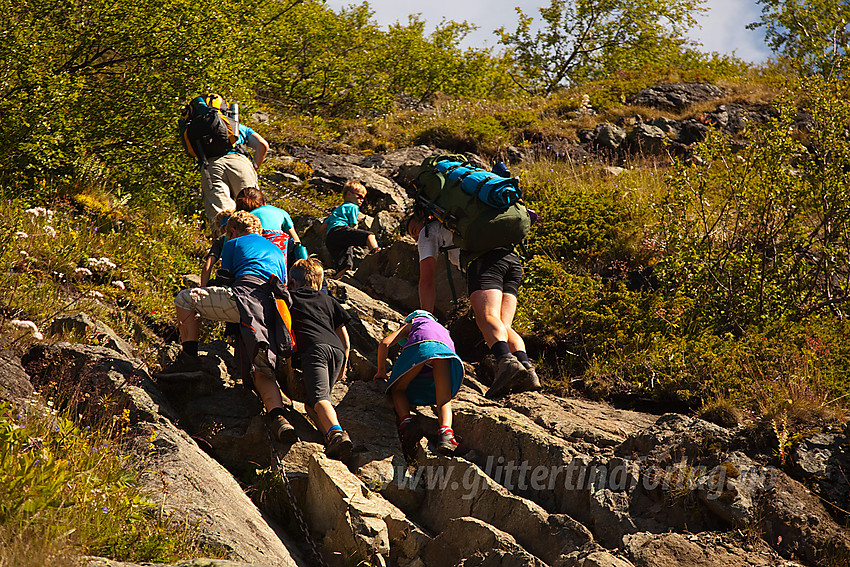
509,373
410,434
530,384
282,429
338,446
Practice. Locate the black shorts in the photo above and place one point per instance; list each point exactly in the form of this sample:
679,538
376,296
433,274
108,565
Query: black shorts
340,240
320,365
497,269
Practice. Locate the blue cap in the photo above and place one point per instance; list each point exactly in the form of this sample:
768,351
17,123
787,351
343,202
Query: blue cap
501,169
419,313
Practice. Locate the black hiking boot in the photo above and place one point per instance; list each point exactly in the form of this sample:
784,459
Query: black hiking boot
187,364
338,446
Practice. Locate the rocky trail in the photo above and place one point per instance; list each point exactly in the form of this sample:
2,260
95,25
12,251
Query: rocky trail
538,479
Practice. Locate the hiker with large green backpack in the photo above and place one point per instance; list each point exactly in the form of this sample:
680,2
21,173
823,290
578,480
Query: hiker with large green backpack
477,218
211,133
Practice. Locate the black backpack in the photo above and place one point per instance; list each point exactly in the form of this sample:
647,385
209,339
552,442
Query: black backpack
206,131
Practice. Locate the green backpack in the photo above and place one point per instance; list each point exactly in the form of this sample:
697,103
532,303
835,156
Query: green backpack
483,210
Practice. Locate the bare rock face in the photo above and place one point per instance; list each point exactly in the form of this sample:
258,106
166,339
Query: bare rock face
732,488
102,562
796,520
595,558
14,382
706,549
518,453
190,485
608,137
98,371
393,276
195,488
82,325
589,427
331,173
823,460
313,238
384,226
392,163
463,490
217,410
373,319
354,522
474,542
675,96
648,139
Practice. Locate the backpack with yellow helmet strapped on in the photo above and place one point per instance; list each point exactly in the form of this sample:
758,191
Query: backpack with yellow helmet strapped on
205,129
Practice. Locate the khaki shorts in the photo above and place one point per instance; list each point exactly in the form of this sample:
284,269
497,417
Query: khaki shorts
223,179
214,303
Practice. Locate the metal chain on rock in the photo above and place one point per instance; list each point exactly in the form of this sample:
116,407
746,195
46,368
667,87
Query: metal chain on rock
292,192
299,515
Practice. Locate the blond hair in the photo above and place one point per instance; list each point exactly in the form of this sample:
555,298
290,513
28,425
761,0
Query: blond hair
353,187
218,228
307,271
243,222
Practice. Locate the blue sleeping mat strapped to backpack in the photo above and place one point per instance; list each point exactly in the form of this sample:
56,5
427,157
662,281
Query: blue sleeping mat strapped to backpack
497,191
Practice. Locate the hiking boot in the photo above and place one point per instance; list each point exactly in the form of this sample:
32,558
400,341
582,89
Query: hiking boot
338,446
530,384
447,443
283,430
509,373
183,364
410,434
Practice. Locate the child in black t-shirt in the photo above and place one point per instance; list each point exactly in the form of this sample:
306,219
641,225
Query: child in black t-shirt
318,322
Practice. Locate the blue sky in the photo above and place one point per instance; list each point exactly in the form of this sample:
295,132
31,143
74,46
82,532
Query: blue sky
723,28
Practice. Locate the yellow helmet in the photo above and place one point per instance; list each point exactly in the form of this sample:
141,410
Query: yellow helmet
216,101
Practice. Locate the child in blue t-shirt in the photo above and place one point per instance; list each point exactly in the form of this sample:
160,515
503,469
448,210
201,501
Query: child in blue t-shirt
342,234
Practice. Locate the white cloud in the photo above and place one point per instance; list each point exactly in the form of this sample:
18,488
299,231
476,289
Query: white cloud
723,29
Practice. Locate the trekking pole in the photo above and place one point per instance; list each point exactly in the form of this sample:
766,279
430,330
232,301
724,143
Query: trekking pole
291,192
449,274
299,515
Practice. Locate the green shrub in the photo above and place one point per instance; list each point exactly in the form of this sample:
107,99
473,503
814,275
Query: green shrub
516,119
761,234
481,134
590,230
